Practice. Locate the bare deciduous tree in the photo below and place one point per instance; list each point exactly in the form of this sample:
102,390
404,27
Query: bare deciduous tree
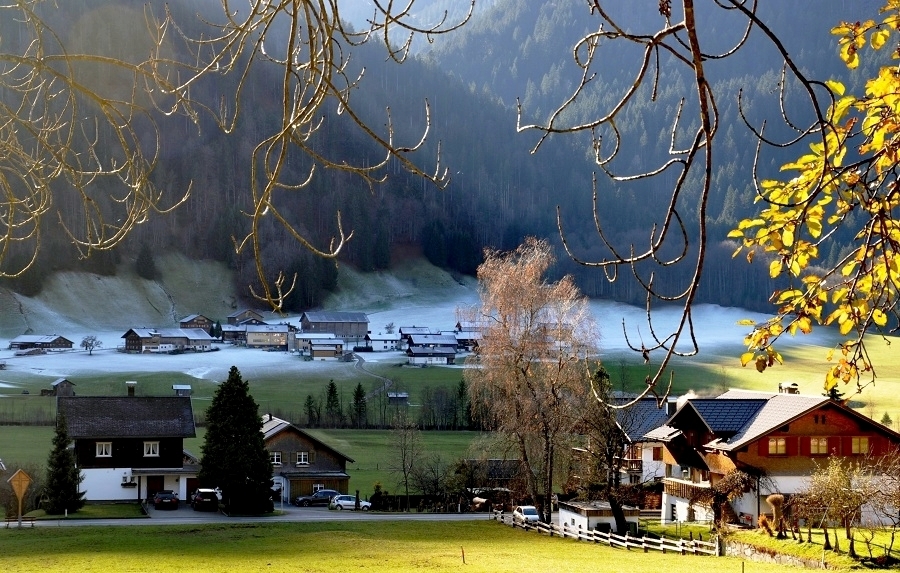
531,374
408,449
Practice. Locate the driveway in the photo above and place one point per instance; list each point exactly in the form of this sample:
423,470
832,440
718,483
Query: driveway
184,515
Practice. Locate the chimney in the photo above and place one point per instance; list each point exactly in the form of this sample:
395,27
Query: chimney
130,384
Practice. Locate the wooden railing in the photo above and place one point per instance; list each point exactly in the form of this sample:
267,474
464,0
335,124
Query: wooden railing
683,488
628,542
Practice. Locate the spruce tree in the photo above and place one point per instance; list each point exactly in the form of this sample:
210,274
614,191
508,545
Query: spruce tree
63,477
333,414
234,456
145,265
359,407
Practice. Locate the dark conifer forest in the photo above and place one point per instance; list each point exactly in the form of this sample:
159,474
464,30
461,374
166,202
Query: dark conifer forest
499,191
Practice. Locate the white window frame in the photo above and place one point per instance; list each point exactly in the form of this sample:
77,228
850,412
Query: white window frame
103,449
275,458
151,449
303,460
818,446
317,487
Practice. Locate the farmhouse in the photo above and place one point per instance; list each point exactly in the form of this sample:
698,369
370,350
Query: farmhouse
195,321
419,355
303,463
782,436
276,336
351,326
383,342
432,341
243,315
141,340
42,341
130,447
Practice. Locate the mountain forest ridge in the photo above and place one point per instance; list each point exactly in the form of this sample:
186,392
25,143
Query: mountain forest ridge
499,192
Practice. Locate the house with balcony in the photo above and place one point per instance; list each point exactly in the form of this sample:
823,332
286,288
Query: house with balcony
780,438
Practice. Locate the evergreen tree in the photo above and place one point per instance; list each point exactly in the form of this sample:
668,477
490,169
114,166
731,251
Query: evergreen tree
312,411
359,407
63,477
333,415
145,266
234,455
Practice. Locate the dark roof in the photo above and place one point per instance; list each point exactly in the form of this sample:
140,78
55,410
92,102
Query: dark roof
643,416
335,316
237,313
128,416
273,426
727,416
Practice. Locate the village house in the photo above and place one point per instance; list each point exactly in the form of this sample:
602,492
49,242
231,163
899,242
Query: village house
779,437
274,336
350,326
41,341
242,316
167,340
407,331
424,355
590,515
302,463
447,341
130,447
196,321
383,342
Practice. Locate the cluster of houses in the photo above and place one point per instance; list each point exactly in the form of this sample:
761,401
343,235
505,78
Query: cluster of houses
129,447
780,437
321,335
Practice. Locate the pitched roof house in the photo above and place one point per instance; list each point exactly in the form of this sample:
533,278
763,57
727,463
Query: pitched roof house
44,341
130,447
778,437
348,325
302,463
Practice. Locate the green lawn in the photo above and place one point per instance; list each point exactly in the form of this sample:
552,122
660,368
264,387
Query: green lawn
329,547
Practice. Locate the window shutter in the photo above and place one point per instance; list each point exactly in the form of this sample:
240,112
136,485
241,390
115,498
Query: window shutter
834,446
847,445
764,447
804,446
312,457
791,445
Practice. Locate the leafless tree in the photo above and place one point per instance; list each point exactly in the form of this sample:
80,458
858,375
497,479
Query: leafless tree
532,373
91,342
408,451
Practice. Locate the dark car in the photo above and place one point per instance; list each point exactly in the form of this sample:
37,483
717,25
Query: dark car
165,499
205,500
321,497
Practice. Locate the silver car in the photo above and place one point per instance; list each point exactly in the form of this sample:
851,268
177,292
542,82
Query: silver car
349,502
526,514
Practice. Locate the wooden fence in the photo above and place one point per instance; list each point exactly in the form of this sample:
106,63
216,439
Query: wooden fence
628,542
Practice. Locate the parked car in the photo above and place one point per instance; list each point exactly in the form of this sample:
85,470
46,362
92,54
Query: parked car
349,502
205,500
321,497
165,499
526,514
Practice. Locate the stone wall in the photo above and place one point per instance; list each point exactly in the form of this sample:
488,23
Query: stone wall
751,553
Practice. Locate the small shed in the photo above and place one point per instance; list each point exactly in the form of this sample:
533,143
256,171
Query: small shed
63,387
182,389
589,515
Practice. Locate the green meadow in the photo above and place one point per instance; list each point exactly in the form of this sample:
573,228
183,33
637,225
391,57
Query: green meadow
332,547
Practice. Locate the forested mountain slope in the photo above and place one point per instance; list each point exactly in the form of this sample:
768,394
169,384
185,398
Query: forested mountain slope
499,191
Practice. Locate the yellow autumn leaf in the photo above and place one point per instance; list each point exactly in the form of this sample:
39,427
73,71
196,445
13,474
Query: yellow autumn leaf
879,317
787,236
746,358
879,38
836,87
775,268
746,322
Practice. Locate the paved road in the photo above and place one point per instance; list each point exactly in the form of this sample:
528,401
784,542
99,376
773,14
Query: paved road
186,516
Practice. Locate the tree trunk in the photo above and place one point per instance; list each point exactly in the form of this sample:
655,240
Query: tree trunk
547,506
618,513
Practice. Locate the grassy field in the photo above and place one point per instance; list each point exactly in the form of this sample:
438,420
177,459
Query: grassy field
478,546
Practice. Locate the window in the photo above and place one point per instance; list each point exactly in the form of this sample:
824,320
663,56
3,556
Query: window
302,458
104,449
777,447
818,446
657,454
860,445
275,458
151,449
318,487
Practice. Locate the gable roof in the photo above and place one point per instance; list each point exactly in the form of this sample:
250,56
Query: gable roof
273,426
127,416
335,316
39,338
237,313
640,418
726,417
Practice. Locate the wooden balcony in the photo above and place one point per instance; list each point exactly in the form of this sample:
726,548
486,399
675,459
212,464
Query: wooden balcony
683,488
